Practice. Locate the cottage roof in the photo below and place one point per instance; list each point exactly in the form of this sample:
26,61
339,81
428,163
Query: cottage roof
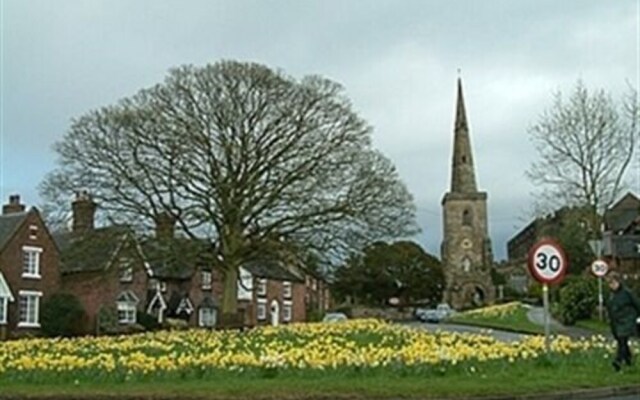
92,251
9,224
271,269
622,214
176,259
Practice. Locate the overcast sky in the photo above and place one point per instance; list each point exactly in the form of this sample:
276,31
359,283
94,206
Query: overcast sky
397,60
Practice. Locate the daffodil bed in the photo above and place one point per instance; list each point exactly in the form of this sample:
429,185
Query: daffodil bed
510,316
328,357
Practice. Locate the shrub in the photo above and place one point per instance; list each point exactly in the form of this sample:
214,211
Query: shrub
149,322
578,298
62,315
107,321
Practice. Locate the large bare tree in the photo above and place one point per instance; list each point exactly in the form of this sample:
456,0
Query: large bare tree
243,156
585,144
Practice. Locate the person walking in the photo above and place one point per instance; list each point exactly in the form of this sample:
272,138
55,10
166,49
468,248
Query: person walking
623,309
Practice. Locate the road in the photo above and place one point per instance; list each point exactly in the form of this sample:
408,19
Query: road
500,335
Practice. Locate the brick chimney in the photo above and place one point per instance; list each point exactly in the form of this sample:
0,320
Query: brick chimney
13,206
84,210
165,226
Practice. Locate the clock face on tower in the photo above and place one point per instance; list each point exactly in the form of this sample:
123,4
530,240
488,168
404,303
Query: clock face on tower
466,243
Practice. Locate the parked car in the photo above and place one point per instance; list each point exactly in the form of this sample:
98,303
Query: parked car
435,315
334,317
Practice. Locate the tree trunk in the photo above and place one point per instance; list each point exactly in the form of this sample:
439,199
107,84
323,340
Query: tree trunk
230,291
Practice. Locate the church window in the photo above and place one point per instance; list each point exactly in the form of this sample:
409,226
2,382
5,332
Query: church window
464,159
466,264
466,217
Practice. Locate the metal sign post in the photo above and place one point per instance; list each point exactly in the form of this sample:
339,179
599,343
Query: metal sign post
600,268
545,304
547,264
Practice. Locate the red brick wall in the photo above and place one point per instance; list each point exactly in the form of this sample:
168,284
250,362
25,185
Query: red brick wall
95,289
275,292
11,267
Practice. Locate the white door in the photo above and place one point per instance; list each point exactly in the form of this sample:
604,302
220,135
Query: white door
275,313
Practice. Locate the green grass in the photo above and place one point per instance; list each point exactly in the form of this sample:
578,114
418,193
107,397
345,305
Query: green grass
595,325
536,376
516,321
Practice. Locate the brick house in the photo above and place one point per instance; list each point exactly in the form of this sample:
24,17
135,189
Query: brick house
317,293
29,271
270,293
103,267
621,238
183,284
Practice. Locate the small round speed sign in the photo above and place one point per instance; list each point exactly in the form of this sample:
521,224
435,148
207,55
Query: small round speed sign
547,261
599,268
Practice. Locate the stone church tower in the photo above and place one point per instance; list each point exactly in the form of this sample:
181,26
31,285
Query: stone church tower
466,253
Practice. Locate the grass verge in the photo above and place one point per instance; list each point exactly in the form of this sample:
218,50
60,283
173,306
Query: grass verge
516,321
536,376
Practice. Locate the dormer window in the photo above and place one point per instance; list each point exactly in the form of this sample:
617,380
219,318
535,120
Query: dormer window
206,280
127,304
126,270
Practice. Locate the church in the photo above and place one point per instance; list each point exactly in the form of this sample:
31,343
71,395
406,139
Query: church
466,252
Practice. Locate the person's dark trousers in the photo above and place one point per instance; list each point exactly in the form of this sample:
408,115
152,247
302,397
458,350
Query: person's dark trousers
624,353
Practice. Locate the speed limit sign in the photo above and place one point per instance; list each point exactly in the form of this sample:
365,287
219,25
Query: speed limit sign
547,261
599,268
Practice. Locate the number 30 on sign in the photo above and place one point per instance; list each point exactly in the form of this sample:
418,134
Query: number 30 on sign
547,261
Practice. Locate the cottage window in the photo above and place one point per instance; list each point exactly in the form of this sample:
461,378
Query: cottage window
286,311
126,270
4,302
29,306
206,280
286,289
33,232
261,310
127,306
207,317
126,313
31,262
262,287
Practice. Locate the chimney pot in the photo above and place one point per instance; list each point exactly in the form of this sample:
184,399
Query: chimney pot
83,212
13,206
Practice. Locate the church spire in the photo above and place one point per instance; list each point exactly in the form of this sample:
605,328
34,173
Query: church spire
463,178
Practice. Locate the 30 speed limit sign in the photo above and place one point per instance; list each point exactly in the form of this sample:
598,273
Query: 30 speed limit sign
547,261
599,268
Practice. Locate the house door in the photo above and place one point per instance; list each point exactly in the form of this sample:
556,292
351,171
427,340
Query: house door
275,313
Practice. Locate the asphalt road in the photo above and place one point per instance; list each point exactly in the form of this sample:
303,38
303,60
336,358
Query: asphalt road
500,335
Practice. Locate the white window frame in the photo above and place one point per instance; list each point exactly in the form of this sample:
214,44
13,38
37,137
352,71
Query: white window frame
262,287
29,294
261,310
207,317
207,278
287,311
129,311
27,251
4,308
287,289
127,306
